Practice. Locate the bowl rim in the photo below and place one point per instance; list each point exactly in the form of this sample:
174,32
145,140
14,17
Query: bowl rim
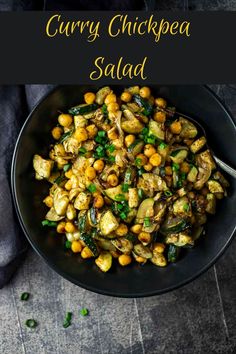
68,277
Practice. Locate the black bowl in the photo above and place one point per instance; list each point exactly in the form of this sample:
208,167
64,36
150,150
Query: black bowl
134,280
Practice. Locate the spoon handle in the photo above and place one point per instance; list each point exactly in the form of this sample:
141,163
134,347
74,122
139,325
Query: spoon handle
230,170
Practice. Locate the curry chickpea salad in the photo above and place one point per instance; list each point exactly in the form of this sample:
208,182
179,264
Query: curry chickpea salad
130,179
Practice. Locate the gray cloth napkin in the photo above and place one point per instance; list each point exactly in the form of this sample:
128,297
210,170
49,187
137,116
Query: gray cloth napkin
15,104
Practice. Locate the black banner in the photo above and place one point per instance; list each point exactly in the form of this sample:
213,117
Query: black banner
115,47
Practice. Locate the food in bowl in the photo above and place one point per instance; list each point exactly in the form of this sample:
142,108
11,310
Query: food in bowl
130,179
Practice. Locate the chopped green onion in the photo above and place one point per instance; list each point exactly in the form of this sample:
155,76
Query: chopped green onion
119,206
140,193
131,237
84,312
147,221
67,320
92,188
102,133
125,187
24,296
179,184
186,207
151,140
67,167
138,161
82,150
59,179
168,193
183,176
175,166
145,131
100,151
120,197
141,171
98,139
111,159
66,135
31,323
49,223
123,215
104,109
162,171
162,146
110,148
68,244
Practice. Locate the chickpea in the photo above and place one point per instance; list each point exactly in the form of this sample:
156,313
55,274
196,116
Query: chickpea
144,237
124,259
48,201
61,227
151,100
160,117
141,160
126,96
145,92
140,259
70,227
56,133
160,102
81,134
175,127
65,120
122,230
148,167
99,165
184,167
91,131
86,253
136,229
76,247
112,134
129,139
69,173
149,150
155,159
113,107
90,173
113,180
158,248
68,185
89,97
98,201
110,98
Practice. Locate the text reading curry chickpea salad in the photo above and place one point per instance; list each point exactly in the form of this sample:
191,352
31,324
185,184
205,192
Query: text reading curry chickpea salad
130,179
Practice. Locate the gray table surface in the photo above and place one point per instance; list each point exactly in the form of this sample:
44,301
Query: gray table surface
198,318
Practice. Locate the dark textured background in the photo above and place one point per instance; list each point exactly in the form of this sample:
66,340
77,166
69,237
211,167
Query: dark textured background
198,318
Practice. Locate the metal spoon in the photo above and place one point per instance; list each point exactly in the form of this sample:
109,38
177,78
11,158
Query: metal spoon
224,166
